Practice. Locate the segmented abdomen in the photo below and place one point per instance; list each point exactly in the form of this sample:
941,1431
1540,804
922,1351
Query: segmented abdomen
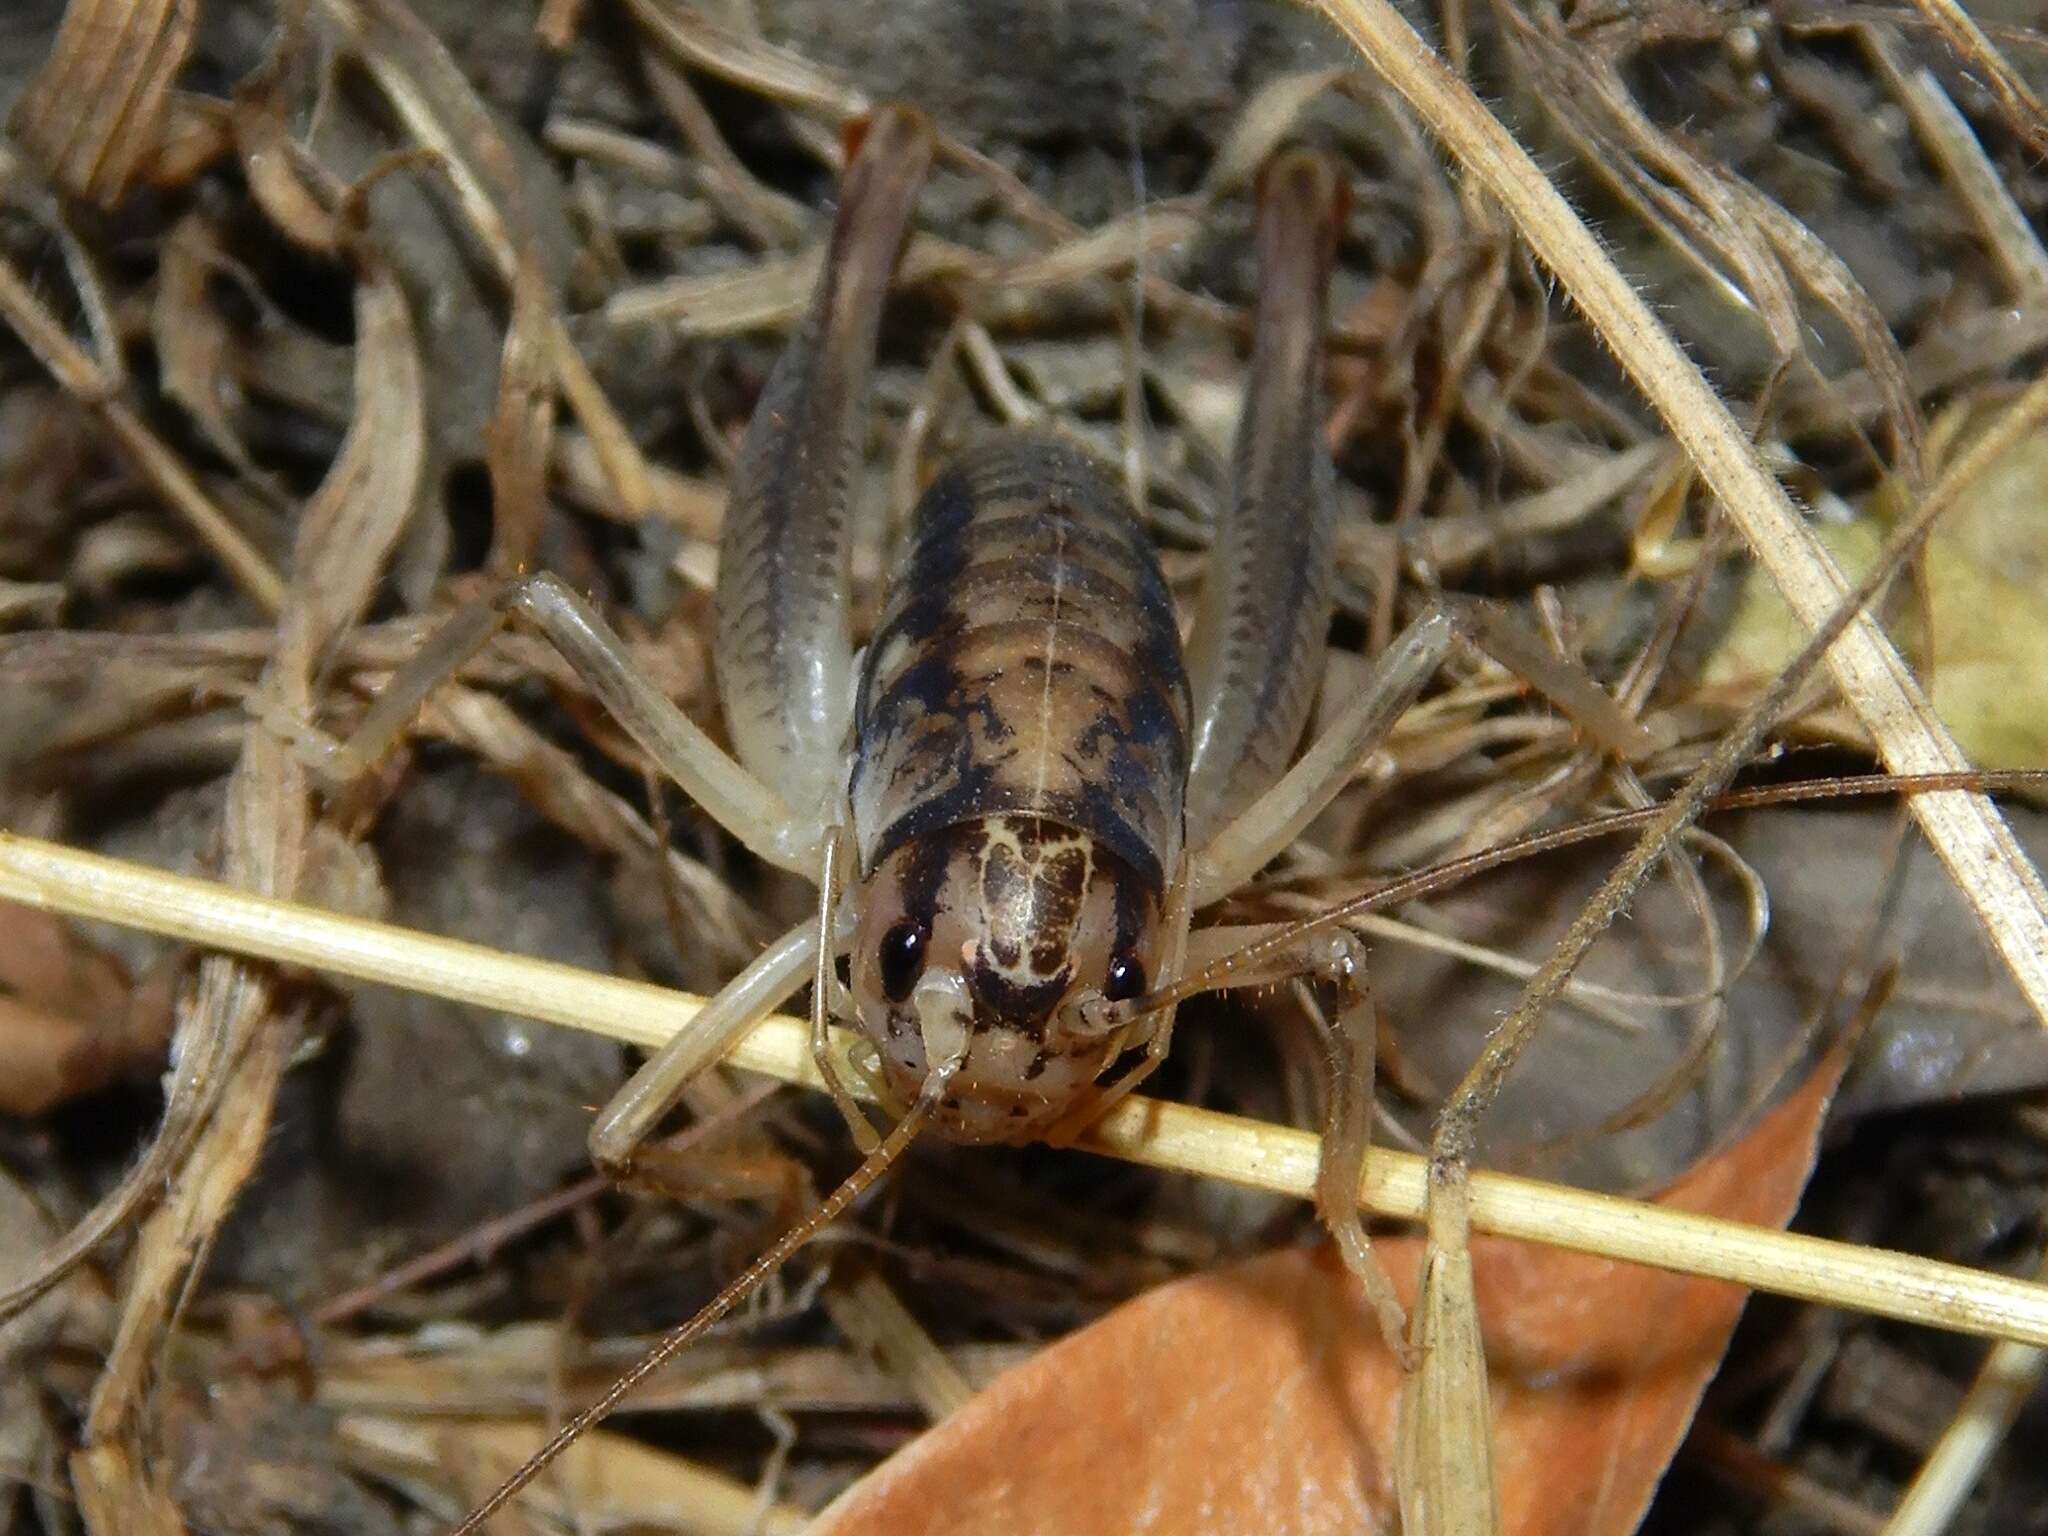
1027,662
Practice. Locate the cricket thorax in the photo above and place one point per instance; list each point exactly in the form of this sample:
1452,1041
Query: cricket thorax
985,940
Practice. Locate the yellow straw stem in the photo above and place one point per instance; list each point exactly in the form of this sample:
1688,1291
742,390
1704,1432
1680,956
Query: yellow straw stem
1162,1135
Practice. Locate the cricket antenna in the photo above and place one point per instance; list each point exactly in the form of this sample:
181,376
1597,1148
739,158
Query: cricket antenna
742,1285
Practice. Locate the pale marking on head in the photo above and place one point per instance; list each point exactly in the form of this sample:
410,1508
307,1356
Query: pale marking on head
1035,857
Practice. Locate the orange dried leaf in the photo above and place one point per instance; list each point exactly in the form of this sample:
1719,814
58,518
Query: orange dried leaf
1261,1397
69,1021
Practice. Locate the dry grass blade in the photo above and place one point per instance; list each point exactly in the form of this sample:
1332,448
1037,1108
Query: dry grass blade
1686,201
770,218
772,291
2022,107
1967,832
94,111
608,1480
1454,540
693,505
518,441
868,1312
192,341
1949,139
1446,1477
747,62
767,293
518,1372
1786,1491
1948,1296
428,90
1114,247
75,369
1261,126
1825,275
357,514
215,1133
2010,1375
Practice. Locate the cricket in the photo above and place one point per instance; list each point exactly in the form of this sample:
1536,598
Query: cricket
1019,796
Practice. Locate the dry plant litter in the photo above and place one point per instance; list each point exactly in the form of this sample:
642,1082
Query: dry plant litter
258,265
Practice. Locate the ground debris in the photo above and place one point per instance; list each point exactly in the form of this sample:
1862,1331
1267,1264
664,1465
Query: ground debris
315,319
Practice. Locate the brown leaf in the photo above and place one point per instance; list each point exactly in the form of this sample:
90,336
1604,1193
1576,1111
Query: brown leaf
1260,1398
69,1022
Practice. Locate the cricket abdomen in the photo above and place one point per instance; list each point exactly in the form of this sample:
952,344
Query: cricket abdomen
1027,663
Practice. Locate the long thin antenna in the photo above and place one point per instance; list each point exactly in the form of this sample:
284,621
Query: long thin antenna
1452,872
872,1167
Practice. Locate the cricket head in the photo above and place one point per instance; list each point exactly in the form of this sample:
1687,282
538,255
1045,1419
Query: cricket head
996,941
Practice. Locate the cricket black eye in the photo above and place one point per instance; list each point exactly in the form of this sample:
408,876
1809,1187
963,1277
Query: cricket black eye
1126,978
902,957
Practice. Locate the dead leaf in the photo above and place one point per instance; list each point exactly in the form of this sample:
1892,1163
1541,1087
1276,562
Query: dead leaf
69,1021
1261,1398
1985,597
95,110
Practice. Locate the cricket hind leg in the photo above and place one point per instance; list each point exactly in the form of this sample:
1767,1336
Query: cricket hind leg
679,747
1255,653
1263,830
781,611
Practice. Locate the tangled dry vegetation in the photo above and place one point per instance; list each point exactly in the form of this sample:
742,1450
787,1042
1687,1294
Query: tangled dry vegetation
320,317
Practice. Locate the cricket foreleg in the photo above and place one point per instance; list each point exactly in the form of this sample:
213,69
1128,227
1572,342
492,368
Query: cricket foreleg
638,1108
